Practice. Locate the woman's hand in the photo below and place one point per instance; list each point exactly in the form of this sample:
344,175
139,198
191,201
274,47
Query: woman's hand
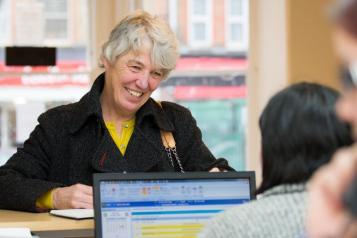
215,169
75,196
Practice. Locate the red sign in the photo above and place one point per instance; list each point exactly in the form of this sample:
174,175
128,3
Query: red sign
209,92
46,80
72,72
211,64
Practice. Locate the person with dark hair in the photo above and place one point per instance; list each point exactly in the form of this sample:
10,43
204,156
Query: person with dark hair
333,189
300,132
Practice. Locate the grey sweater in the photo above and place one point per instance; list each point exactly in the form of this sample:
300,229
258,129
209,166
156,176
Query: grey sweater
278,213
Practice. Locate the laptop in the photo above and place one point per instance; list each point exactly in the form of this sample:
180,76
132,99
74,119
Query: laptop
165,204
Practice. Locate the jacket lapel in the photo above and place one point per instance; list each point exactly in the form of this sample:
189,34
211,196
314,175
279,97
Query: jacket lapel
144,152
107,157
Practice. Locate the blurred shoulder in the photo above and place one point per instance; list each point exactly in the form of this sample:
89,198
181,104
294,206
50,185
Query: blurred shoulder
60,115
266,217
174,107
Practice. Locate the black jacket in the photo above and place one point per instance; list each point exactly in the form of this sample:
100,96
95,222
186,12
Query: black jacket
71,142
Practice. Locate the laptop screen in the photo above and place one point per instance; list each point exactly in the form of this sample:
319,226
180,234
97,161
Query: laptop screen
166,207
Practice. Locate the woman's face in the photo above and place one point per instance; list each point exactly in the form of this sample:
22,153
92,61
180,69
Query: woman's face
346,47
130,81
346,108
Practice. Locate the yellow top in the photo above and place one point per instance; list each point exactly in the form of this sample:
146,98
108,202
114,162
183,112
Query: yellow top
127,129
45,201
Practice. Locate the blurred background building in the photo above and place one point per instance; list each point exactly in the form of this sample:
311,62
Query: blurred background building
209,78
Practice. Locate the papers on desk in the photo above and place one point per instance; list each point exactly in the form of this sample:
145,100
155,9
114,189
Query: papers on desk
74,213
15,233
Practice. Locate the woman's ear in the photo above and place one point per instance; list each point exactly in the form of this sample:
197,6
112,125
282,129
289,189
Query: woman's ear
105,62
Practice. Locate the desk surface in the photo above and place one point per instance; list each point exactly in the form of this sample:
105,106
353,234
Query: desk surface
38,222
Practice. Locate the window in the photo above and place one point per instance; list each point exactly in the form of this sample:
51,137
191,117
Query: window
236,32
200,23
26,91
56,27
208,81
42,22
4,23
237,24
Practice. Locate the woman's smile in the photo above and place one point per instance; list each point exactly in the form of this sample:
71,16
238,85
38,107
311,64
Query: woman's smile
134,93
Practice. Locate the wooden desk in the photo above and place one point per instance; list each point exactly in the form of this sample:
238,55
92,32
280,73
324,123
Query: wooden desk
46,225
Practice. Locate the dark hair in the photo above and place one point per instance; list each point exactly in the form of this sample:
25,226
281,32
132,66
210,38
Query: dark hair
300,132
344,13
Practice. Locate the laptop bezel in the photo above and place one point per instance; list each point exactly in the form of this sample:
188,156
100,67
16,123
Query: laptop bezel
98,177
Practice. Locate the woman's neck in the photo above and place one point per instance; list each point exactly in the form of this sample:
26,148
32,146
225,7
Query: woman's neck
111,112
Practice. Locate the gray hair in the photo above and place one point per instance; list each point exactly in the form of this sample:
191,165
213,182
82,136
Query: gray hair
131,34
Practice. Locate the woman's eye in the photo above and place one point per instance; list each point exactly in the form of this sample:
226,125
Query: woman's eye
157,74
135,68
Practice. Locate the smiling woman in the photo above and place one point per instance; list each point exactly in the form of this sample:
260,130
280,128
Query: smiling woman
140,52
116,127
130,82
